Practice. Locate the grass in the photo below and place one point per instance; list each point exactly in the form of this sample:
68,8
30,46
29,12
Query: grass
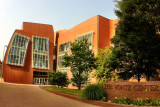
74,92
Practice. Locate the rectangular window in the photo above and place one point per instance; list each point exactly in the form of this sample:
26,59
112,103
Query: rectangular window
19,45
63,49
40,52
88,36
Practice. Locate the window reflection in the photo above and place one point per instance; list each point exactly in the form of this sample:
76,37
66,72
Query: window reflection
40,52
18,50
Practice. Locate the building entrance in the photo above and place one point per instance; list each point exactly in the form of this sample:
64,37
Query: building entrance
40,78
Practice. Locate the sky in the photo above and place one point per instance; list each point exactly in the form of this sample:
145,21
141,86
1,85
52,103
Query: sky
62,14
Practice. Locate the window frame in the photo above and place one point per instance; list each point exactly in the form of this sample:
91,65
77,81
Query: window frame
61,54
87,33
17,53
37,50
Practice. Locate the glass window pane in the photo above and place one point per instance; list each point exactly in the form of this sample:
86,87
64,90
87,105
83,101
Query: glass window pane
40,51
63,49
15,56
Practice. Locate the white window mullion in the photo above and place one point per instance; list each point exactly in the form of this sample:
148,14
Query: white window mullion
42,52
15,51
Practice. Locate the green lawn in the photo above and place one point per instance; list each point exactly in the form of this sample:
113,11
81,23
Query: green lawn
74,92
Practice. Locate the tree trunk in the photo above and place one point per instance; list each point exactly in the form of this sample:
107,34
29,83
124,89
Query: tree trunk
148,78
79,83
79,87
139,78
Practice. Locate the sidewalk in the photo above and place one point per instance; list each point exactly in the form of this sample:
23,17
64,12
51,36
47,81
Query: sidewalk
31,96
2,81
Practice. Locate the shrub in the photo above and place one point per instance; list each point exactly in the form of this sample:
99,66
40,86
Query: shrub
146,102
59,79
157,102
118,100
124,100
94,92
138,101
149,102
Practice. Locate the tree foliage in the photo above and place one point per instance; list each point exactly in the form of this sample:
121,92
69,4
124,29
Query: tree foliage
136,49
81,61
59,79
83,78
102,72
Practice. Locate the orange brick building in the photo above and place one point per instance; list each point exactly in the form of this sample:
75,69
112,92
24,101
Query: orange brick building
98,30
36,50
29,56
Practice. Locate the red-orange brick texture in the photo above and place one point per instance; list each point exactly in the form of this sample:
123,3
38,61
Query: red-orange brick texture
17,74
103,28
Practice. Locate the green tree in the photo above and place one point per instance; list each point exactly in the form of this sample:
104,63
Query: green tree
83,78
102,72
81,61
136,49
59,79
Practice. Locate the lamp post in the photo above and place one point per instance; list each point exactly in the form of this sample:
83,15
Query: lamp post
5,46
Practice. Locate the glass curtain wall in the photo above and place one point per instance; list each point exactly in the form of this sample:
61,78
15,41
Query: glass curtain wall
63,49
40,52
88,36
17,51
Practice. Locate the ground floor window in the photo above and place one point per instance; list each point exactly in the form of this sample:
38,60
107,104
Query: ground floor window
40,77
43,81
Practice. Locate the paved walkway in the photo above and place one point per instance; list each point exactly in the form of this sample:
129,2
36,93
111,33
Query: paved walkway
1,80
14,95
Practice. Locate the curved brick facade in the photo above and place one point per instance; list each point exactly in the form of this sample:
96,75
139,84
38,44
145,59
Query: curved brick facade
24,74
99,28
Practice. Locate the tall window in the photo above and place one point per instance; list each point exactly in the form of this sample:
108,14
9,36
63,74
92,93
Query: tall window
17,51
63,49
40,52
88,36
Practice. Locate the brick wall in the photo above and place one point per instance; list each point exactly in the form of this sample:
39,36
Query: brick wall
133,89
